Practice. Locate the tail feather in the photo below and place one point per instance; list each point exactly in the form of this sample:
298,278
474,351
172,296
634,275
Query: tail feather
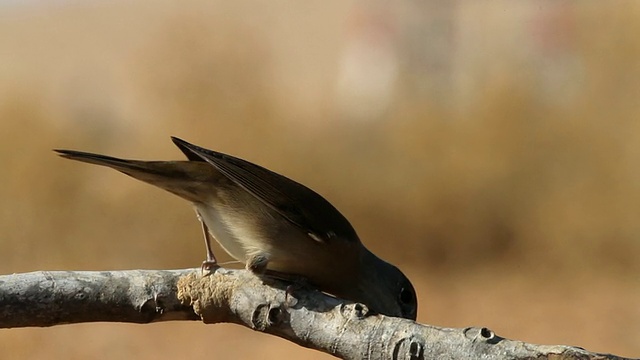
103,160
186,179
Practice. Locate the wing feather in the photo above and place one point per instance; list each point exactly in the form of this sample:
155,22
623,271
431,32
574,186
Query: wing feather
297,203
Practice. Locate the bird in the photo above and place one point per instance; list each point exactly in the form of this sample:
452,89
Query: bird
272,223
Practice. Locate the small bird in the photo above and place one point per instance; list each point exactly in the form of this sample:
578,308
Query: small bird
270,222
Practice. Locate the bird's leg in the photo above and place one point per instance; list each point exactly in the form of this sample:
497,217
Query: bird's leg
211,261
257,264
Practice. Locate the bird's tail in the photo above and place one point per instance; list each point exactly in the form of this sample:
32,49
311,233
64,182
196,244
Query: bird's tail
186,179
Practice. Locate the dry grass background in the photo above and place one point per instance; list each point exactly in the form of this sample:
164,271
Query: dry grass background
504,177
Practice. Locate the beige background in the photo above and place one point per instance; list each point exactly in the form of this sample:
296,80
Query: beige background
490,149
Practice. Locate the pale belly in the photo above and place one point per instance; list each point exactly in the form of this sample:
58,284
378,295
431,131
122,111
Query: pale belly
286,248
237,239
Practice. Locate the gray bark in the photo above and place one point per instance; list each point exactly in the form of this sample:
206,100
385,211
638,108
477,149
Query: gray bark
302,315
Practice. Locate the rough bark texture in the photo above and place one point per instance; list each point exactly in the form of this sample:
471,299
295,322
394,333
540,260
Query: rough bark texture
304,316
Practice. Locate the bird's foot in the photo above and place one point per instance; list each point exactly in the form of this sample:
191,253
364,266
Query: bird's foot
257,264
209,267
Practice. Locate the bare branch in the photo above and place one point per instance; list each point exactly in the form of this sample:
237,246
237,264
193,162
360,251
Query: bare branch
304,316
47,298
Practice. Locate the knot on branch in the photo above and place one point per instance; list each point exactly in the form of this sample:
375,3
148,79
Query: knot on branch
208,295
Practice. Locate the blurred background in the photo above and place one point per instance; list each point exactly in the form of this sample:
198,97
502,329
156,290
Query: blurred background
489,149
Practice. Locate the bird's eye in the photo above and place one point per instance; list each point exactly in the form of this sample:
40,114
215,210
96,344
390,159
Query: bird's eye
406,296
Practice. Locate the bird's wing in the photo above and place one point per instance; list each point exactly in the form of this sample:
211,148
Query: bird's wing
295,202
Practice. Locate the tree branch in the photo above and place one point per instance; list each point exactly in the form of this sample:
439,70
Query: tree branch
304,316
